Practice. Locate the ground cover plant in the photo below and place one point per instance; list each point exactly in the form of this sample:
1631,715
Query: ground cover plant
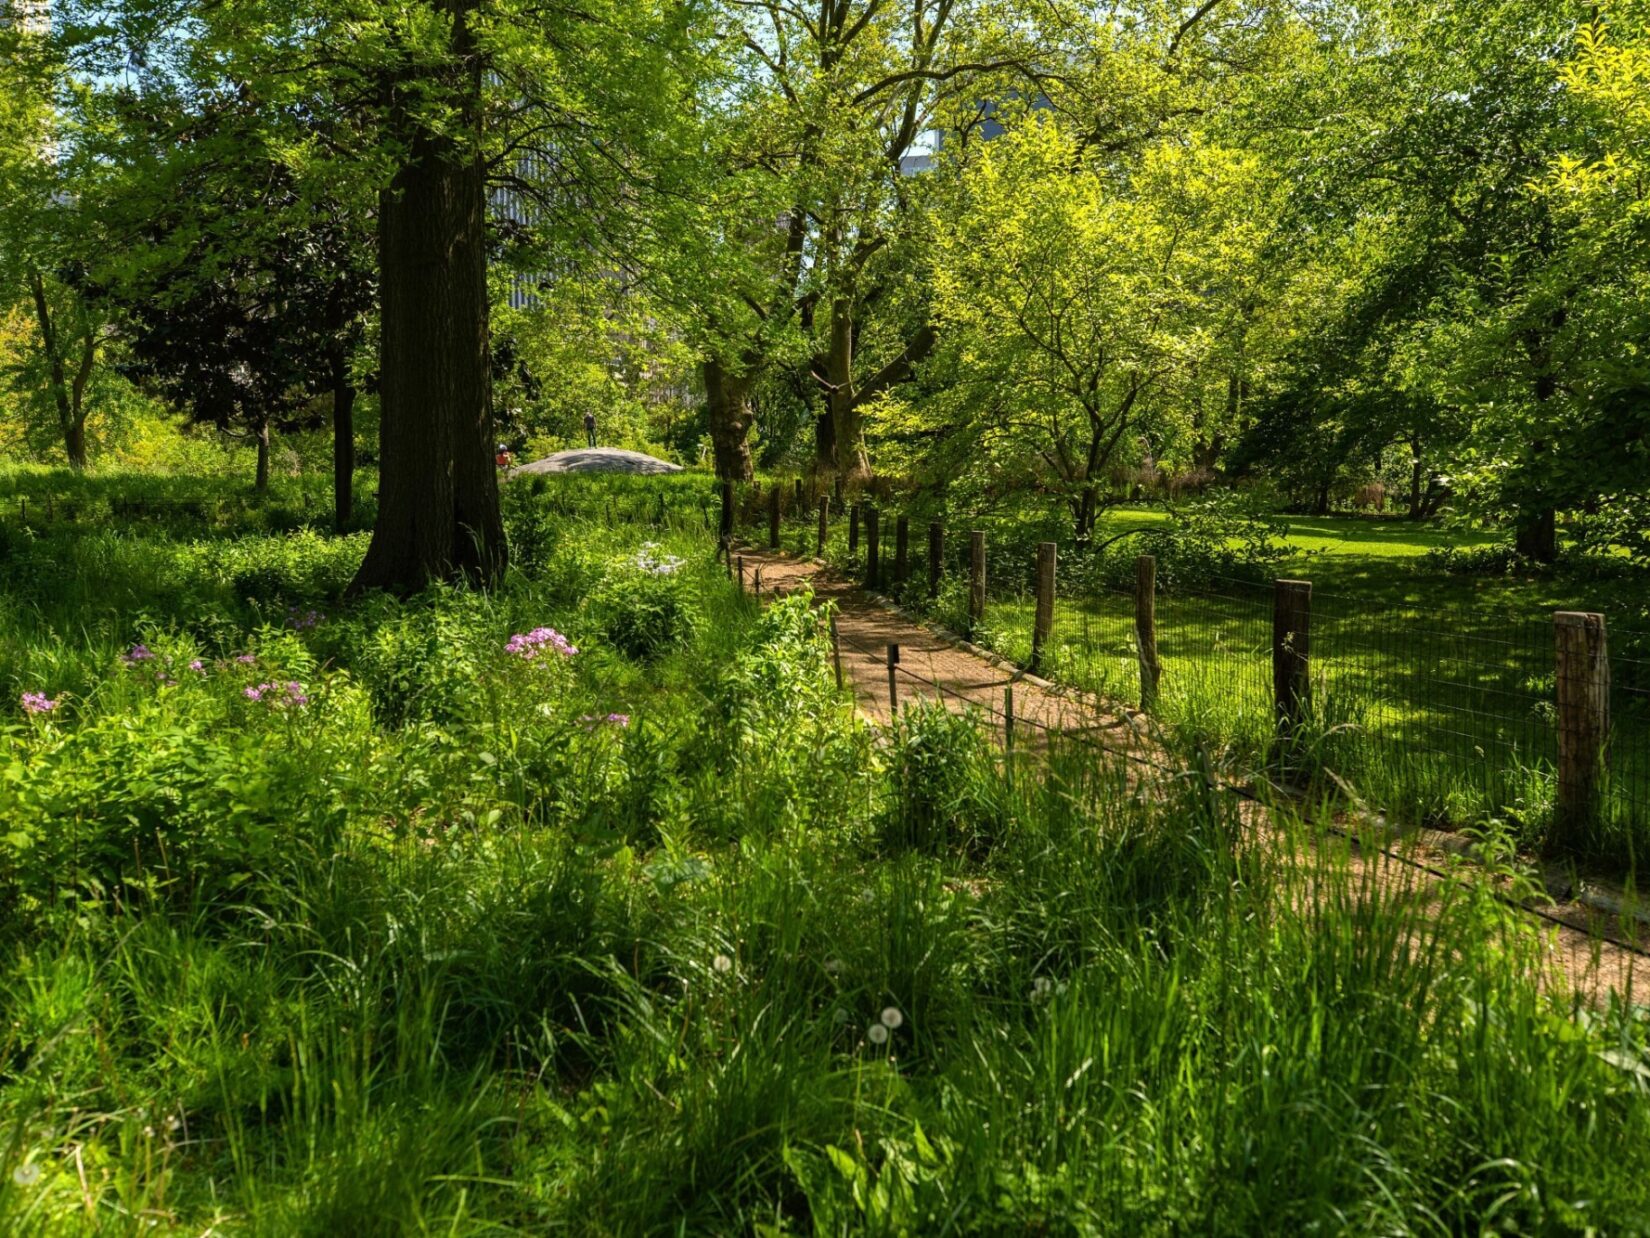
462,913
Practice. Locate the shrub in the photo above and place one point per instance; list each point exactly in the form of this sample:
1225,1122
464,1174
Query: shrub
645,606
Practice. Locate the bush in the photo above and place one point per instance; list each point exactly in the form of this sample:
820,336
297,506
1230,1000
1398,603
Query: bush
1496,559
645,606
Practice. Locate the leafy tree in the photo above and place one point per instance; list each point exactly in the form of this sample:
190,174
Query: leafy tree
44,232
1078,301
243,295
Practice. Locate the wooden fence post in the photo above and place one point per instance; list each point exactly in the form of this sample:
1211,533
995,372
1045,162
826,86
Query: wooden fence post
798,492
1145,628
902,550
976,578
1291,652
741,573
1042,626
853,529
1008,718
1583,666
936,556
893,679
824,523
873,565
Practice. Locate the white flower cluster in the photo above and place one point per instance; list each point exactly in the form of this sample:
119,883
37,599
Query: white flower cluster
655,562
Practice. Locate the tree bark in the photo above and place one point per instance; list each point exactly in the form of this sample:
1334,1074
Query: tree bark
728,407
438,512
68,396
261,436
1415,479
853,463
343,447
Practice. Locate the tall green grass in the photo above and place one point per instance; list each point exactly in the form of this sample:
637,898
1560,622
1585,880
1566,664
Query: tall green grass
447,949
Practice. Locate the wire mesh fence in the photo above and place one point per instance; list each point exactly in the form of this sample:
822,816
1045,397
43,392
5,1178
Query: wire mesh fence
1438,718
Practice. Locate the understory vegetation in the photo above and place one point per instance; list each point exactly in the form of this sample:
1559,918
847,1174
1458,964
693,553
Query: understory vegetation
588,904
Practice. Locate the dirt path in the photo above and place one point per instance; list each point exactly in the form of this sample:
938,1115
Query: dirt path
934,667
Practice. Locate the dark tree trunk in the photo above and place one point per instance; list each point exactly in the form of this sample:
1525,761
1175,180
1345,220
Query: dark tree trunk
728,407
74,442
1320,502
1415,473
343,448
1537,535
71,418
825,446
261,436
438,512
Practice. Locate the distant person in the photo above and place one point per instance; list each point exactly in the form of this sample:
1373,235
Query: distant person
503,458
590,428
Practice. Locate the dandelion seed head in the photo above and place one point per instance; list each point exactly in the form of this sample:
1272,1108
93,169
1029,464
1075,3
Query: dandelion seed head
877,1034
26,1175
891,1017
722,963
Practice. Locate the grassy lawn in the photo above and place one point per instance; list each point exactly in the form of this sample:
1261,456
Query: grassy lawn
1433,691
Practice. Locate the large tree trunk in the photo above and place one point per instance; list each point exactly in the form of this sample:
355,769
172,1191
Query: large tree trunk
343,447
261,436
853,463
438,512
728,407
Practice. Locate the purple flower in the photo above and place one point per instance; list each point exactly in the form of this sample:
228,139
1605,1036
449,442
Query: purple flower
247,659
39,703
303,620
595,720
288,695
136,654
527,645
198,666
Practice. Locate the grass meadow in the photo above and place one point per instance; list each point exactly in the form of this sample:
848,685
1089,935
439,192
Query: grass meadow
589,906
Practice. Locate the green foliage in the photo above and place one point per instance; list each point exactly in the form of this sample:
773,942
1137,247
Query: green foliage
644,605
941,784
469,939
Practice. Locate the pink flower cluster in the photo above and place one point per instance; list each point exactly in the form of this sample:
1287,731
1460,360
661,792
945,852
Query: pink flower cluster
288,695
39,703
137,654
593,720
303,620
528,645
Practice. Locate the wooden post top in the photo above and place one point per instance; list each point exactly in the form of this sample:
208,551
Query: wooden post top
1577,618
